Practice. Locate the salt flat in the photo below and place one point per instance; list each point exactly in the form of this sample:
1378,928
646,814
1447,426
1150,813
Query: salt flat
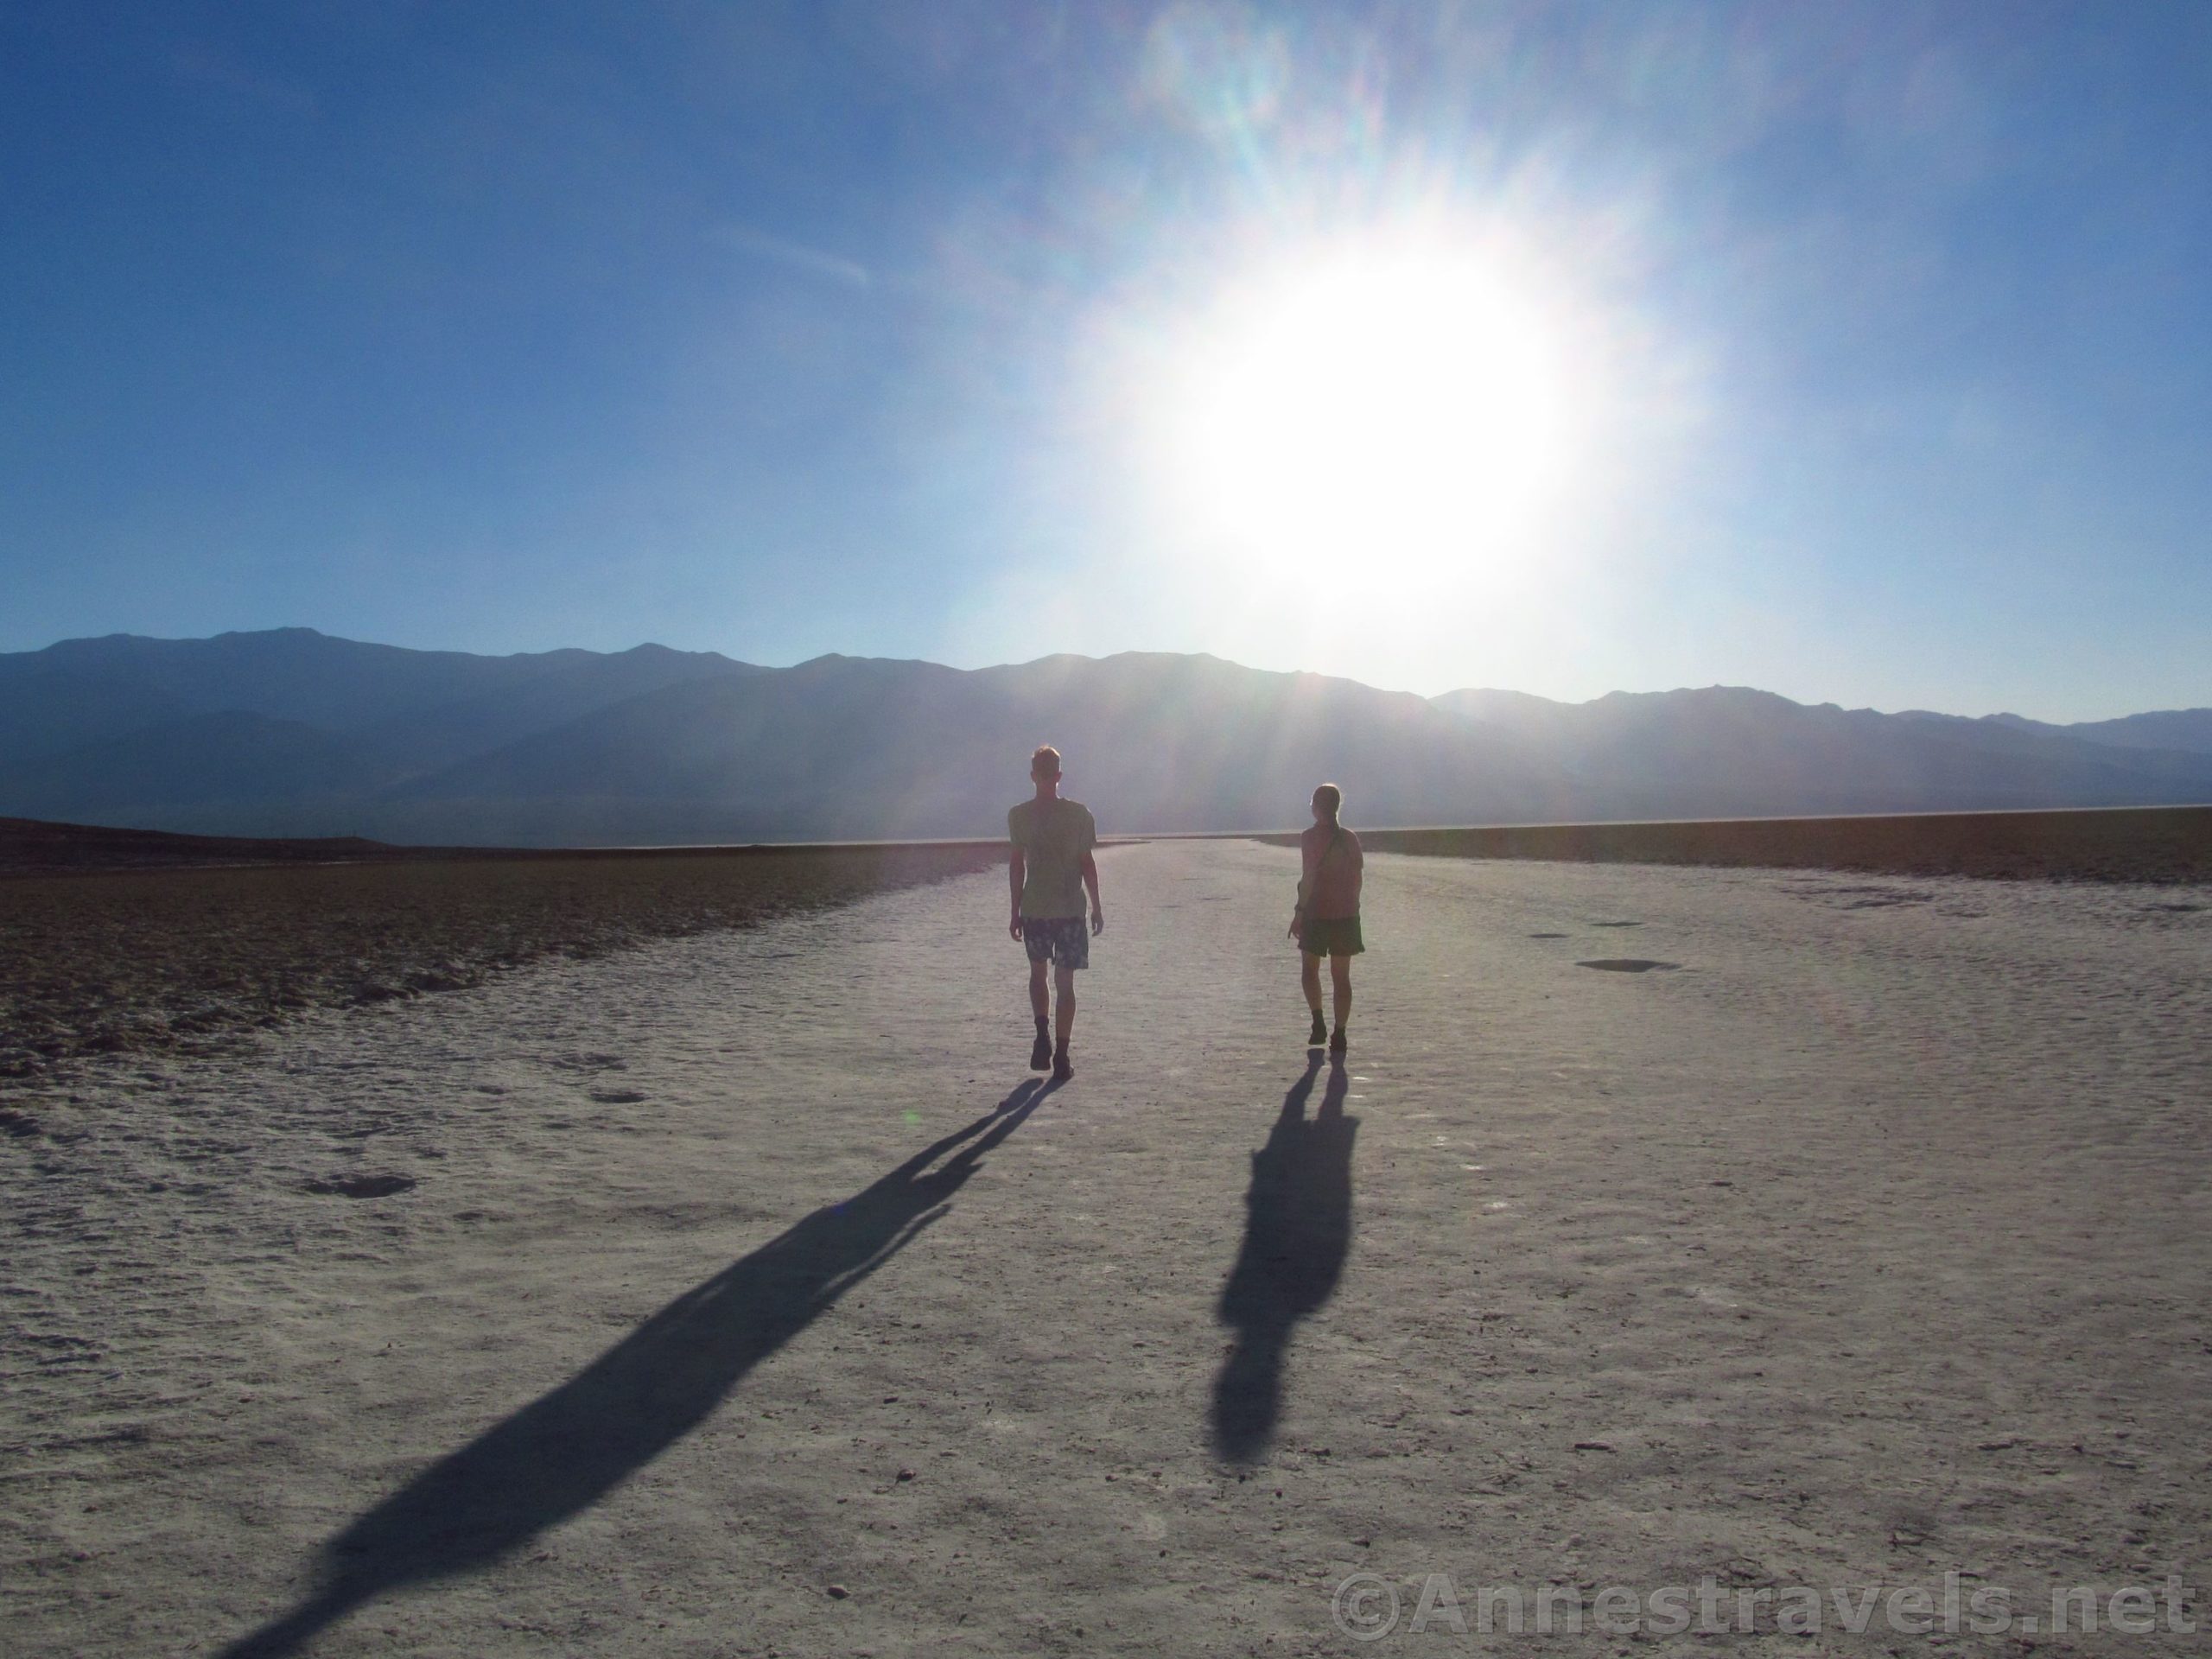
742,1295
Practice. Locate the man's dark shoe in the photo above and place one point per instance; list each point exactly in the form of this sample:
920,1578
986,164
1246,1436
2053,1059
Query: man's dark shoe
1040,1053
1337,1043
1319,1035
1063,1069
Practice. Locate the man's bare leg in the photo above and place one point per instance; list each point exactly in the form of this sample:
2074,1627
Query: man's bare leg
1063,1011
1340,984
1040,1004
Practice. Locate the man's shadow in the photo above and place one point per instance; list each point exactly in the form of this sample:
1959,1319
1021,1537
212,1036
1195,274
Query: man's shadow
1297,1231
567,1449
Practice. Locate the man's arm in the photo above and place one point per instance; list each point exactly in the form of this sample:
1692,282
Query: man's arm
1091,881
1016,869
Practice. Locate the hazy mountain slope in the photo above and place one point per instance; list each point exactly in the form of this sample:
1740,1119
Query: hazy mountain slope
293,733
285,673
846,748
1534,720
2187,731
2010,734
1195,743
2182,731
224,767
436,736
284,733
1725,751
52,708
440,705
793,748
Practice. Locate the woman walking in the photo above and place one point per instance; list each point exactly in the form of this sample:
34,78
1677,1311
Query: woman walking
1326,921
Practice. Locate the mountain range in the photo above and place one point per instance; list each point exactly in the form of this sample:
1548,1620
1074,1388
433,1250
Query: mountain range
290,732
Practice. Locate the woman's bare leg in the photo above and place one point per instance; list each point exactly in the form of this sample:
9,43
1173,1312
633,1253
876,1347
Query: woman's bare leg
1339,982
1309,979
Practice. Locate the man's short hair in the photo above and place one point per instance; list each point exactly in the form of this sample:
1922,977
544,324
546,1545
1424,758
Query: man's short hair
1045,763
1331,796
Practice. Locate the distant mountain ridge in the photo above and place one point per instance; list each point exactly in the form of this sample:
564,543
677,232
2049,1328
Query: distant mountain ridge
2188,730
294,732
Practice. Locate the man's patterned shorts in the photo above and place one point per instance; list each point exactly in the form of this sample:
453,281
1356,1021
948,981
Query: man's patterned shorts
1063,941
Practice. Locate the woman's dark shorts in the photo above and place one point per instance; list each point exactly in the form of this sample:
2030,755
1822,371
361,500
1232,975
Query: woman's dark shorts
1063,941
1338,937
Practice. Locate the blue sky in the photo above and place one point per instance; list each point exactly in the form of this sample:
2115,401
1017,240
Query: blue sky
780,330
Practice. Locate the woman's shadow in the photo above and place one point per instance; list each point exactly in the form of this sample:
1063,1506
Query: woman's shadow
1297,1231
567,1449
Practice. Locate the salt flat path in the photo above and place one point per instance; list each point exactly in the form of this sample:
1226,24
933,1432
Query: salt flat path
742,1295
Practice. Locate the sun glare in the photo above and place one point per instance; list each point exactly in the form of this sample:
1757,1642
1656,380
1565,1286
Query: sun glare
1405,405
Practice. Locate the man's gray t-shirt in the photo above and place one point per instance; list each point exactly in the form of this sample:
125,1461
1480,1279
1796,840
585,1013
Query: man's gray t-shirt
1053,836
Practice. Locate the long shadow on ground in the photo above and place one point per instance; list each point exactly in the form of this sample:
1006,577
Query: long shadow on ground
565,1450
1297,1230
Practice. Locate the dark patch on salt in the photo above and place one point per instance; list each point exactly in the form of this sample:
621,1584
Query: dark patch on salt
361,1186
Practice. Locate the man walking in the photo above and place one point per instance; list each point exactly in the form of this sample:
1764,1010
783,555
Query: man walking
1050,869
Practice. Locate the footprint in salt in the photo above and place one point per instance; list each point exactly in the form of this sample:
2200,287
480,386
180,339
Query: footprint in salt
1629,965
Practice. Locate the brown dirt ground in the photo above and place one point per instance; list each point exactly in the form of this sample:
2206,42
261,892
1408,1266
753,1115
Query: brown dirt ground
2164,844
190,960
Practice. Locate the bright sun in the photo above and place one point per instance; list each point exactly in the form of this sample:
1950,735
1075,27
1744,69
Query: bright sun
1405,406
